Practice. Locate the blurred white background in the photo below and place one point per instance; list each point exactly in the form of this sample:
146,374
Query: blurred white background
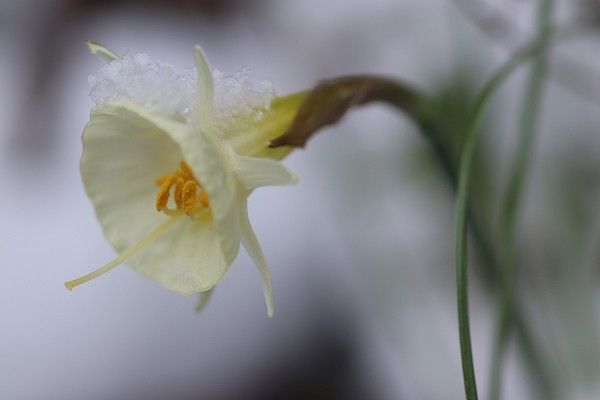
360,250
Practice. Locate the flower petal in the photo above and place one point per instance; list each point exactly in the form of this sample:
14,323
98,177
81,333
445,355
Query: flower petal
122,155
252,246
254,141
126,147
205,96
187,259
209,162
204,157
106,54
253,172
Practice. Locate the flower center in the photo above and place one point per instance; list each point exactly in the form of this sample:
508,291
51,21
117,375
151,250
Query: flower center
187,192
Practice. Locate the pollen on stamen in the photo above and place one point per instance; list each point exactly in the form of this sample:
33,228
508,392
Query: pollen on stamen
179,183
203,197
162,197
188,196
159,181
188,193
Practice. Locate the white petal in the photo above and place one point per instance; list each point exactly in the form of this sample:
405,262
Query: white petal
253,172
205,97
122,155
106,54
187,259
126,147
208,160
253,248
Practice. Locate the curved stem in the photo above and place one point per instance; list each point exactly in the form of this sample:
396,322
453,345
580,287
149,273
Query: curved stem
461,213
512,199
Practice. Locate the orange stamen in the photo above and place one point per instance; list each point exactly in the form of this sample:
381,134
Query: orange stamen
186,170
203,197
189,194
162,197
159,181
189,197
179,182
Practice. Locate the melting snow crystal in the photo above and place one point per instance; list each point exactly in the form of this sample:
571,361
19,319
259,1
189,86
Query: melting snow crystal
157,85
140,79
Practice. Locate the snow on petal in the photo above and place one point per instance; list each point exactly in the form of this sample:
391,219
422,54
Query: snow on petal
140,79
169,162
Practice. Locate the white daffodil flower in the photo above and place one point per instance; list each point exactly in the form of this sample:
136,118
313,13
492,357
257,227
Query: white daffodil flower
169,161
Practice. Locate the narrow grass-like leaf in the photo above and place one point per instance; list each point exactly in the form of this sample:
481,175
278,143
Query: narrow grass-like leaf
512,200
461,213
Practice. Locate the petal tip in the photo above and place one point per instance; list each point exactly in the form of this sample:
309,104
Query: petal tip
270,305
200,54
97,48
204,100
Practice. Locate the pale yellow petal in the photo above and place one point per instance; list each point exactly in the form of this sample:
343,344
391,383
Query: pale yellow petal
254,172
106,54
187,259
208,159
205,96
122,155
126,148
255,140
252,246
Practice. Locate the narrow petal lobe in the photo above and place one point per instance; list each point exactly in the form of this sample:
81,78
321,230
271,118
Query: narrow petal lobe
106,54
204,101
254,172
252,246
